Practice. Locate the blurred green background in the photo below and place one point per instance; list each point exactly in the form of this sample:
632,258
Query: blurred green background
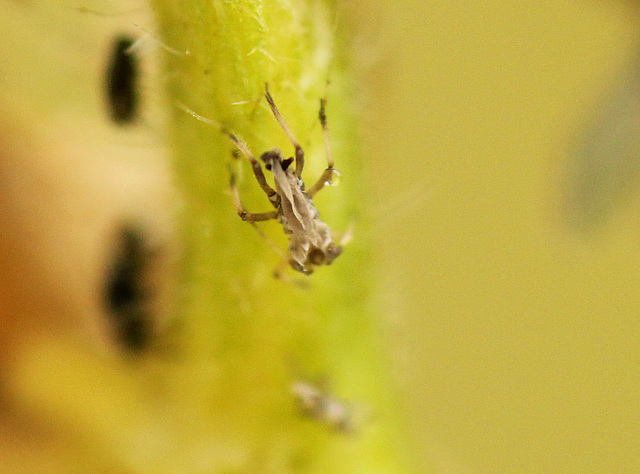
514,334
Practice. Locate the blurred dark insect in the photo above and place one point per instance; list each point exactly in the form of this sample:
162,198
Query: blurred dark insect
122,82
126,292
604,172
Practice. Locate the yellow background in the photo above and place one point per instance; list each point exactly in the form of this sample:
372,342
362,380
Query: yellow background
516,337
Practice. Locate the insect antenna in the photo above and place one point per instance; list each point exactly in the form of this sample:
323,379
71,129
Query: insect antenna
325,132
287,131
330,171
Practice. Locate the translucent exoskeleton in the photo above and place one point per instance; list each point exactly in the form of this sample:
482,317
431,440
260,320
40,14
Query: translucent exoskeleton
310,241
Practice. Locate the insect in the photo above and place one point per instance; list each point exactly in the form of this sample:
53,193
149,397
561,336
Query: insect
322,406
122,81
310,241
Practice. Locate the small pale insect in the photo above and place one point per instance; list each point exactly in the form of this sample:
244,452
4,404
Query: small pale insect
322,406
310,241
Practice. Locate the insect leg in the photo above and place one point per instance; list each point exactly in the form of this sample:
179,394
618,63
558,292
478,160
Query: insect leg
279,272
287,130
257,171
244,215
328,173
346,236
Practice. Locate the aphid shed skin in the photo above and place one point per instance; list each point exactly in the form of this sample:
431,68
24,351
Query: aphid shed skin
310,241
122,82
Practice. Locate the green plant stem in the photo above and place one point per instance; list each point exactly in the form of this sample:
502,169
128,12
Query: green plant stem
258,333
